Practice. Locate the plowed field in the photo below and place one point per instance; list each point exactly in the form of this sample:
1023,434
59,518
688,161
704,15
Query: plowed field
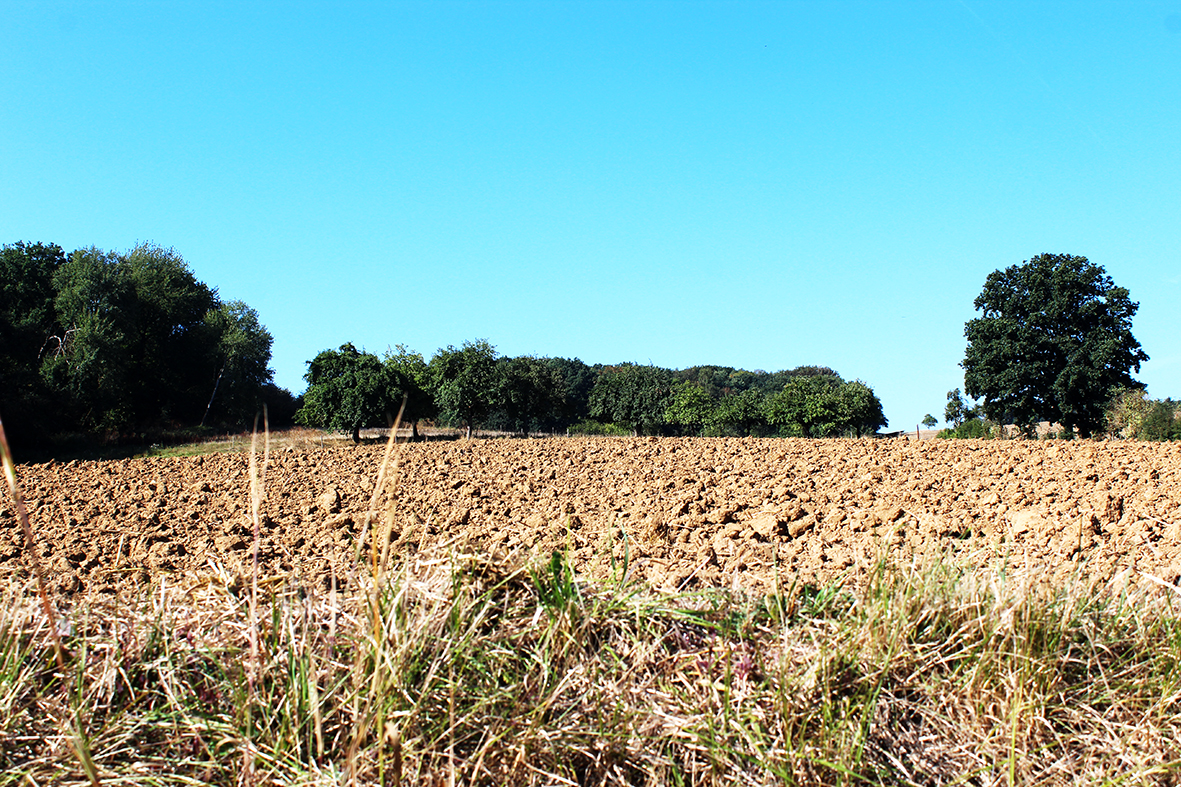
675,513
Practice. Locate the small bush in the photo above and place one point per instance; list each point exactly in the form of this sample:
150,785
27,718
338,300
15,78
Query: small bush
1133,415
972,429
588,427
1160,422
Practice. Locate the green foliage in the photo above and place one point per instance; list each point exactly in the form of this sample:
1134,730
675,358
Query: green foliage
633,396
1162,422
1053,343
577,380
26,310
529,394
464,383
825,406
720,381
243,347
813,371
89,360
471,386
957,410
595,428
690,406
1126,411
413,375
1133,415
729,412
974,428
929,421
169,331
123,343
740,413
349,390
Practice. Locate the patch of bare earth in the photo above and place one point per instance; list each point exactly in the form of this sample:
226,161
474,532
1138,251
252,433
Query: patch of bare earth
674,513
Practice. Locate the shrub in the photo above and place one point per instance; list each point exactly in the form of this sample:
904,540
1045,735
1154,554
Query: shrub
971,429
1131,414
588,427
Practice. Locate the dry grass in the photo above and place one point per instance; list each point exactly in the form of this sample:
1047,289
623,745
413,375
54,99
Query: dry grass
477,671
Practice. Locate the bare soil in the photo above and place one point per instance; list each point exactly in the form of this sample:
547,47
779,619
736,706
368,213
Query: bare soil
673,513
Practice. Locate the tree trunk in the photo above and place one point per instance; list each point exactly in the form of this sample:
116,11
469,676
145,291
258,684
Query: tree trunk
356,434
414,430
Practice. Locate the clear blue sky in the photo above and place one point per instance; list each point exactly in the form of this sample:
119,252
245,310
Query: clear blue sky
754,184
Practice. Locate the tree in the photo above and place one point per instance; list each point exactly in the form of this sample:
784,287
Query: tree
690,406
412,370
1053,343
26,320
243,352
860,409
123,342
633,396
824,405
578,379
464,382
1160,423
173,354
349,390
88,360
741,413
929,421
1132,414
729,412
529,392
957,410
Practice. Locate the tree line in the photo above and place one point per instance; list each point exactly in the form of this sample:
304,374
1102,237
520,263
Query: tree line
472,387
122,344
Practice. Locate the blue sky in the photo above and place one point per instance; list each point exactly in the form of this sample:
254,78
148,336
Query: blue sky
755,184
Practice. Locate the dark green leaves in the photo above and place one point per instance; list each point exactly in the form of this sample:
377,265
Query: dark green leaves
632,396
1053,343
121,342
464,381
349,390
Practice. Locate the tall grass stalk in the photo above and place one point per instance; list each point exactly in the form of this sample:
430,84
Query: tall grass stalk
258,488
22,513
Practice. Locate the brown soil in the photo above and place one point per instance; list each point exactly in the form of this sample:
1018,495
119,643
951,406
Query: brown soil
675,513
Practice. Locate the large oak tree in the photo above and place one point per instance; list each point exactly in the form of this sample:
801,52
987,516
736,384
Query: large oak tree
1053,343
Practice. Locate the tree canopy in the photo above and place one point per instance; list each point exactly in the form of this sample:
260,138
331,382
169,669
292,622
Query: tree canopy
529,393
1053,343
350,390
464,382
123,342
632,396
413,375
824,405
27,318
